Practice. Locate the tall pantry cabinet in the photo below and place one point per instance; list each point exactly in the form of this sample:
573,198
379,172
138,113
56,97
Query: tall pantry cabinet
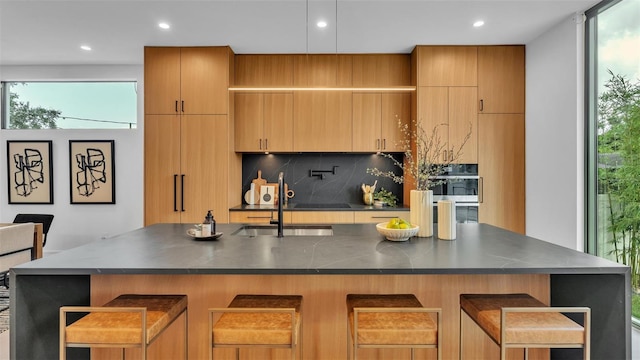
501,131
482,86
186,133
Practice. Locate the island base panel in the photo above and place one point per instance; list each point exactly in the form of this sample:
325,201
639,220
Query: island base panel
34,327
324,309
611,320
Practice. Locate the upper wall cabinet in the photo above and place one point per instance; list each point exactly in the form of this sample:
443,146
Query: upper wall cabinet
264,122
446,65
322,70
264,70
501,76
447,95
188,80
322,121
375,121
451,111
381,70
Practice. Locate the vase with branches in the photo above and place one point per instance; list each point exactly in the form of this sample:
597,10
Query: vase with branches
426,157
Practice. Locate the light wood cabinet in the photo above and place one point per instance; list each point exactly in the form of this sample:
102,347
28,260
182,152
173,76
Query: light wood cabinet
501,77
316,217
376,70
501,168
451,111
378,216
322,121
162,169
257,217
182,168
447,65
463,119
375,121
264,122
191,80
322,70
186,134
264,70
161,80
322,217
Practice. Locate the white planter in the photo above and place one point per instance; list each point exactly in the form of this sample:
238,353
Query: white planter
421,211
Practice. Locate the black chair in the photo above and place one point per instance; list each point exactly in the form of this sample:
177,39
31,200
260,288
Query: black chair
44,219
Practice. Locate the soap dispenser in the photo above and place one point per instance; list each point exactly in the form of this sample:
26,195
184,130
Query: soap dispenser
210,222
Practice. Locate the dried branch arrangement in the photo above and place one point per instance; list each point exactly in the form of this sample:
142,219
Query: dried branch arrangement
427,159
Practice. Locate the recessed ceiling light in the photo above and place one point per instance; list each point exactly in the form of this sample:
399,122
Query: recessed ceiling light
85,47
322,24
478,23
164,25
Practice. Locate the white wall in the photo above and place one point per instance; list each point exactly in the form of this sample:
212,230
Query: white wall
76,225
554,135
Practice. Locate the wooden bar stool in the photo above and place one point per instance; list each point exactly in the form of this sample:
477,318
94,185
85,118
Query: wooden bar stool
521,321
124,322
272,321
391,321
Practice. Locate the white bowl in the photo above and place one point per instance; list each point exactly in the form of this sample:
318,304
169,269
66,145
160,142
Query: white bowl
396,234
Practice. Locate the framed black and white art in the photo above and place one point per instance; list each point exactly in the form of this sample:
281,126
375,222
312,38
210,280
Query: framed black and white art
30,171
92,172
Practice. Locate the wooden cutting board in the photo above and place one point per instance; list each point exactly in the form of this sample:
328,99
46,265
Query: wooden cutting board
252,200
259,181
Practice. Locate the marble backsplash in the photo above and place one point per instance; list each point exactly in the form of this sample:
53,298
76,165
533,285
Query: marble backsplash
342,187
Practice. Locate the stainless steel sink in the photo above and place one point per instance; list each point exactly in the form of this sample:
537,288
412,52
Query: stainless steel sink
295,230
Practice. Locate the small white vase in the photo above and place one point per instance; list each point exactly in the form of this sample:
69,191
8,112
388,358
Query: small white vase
446,219
421,211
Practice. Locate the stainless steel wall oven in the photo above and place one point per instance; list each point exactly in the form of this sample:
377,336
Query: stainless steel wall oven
461,185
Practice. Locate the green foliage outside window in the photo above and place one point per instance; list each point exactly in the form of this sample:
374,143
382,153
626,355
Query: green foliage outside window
619,170
23,116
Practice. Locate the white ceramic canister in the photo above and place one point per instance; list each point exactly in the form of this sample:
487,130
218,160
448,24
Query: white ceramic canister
206,230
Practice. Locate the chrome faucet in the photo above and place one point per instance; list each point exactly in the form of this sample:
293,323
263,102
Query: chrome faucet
281,197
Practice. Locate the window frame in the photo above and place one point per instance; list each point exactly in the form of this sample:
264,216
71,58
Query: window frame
5,105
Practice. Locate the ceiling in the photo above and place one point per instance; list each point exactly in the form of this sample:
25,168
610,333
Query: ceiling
51,32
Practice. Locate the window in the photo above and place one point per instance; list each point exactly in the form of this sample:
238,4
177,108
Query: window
69,105
613,136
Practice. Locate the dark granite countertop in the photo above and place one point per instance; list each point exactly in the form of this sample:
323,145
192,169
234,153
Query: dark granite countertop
353,249
319,207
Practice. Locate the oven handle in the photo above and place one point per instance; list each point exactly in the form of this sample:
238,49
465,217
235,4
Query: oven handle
462,204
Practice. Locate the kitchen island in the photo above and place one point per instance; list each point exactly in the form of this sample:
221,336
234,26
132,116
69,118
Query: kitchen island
162,259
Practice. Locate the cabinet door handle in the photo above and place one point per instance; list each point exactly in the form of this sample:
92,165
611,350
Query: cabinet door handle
451,155
182,106
445,155
266,144
175,189
182,192
378,144
176,105
480,189
384,144
258,217
481,105
260,144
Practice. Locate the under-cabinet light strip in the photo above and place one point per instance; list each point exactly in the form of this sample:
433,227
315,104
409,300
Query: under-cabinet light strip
395,88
